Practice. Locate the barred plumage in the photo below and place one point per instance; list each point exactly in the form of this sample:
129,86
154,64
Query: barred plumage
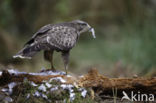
55,37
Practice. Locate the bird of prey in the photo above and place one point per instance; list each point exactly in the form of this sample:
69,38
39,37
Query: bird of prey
60,37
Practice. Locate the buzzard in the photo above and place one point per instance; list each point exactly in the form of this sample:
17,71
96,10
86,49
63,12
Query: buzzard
60,37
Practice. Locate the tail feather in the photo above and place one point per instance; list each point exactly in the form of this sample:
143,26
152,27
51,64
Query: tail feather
28,52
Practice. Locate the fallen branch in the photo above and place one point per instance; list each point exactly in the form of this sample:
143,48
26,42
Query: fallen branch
100,84
103,85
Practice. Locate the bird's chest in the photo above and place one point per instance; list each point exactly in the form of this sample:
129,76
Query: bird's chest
67,41
63,39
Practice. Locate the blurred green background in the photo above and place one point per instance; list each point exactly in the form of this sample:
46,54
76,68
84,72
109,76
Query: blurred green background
125,30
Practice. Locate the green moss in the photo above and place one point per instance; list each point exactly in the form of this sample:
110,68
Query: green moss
80,99
32,99
21,91
58,95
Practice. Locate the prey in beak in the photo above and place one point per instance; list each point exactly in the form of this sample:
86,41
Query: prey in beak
93,32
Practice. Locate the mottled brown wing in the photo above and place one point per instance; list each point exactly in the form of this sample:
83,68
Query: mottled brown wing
62,37
42,31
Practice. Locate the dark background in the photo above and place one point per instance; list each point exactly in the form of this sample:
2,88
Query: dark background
125,30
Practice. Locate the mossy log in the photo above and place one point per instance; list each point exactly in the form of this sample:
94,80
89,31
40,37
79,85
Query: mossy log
100,84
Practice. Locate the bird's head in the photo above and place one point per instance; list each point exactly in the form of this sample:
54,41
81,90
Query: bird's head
83,27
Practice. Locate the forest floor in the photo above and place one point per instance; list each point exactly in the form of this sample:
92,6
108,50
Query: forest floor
56,87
